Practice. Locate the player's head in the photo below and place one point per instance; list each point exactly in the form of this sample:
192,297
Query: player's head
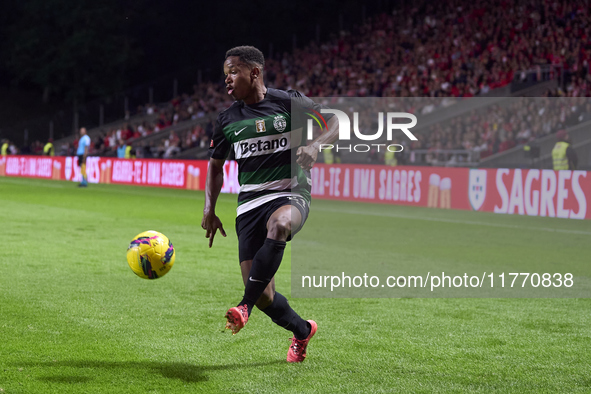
82,131
243,68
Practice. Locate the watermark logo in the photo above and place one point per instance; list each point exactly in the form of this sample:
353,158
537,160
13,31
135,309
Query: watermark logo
390,118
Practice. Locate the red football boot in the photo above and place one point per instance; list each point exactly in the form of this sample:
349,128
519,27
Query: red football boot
237,318
297,350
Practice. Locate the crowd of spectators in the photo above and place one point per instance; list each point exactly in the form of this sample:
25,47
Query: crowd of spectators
426,49
473,135
452,48
497,128
167,146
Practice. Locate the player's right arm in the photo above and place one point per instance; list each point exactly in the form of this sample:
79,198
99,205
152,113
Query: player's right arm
218,151
307,155
213,186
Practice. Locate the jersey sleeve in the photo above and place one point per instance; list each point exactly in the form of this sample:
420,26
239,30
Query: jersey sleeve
219,147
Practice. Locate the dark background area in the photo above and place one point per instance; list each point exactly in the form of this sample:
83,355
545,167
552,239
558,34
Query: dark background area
63,63
65,51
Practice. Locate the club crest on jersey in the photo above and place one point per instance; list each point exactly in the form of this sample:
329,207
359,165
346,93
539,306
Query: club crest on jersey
279,123
260,125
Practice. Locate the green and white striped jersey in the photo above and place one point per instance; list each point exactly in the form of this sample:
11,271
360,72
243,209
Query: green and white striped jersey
264,144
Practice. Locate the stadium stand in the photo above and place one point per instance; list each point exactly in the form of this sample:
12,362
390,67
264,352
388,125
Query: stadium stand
446,49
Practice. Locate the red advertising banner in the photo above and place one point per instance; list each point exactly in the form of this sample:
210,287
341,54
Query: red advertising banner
32,166
562,194
436,187
180,174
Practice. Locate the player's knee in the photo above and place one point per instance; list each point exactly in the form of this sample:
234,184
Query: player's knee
279,228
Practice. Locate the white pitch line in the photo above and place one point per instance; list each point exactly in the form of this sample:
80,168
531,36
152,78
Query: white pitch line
431,219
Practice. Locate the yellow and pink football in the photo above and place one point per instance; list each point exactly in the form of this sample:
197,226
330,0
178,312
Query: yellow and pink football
150,255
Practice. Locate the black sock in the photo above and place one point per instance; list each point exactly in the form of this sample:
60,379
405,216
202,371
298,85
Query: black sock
264,266
281,313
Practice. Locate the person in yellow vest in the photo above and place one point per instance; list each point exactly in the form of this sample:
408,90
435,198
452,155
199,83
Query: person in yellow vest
5,145
564,156
328,156
337,157
48,149
390,159
129,154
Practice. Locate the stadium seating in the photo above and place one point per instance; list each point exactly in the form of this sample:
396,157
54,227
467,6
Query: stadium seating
456,50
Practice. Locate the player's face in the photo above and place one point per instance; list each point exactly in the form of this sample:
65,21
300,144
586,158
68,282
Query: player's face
238,78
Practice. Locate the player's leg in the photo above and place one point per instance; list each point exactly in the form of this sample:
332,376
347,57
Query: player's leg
266,263
276,306
238,316
279,310
268,258
251,231
82,165
287,218
266,298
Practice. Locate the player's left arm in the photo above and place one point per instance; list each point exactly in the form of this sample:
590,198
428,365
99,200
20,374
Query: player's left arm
307,155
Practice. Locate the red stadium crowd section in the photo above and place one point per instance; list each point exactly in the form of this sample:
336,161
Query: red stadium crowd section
497,128
427,49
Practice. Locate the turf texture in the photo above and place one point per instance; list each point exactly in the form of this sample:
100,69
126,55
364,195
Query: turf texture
75,319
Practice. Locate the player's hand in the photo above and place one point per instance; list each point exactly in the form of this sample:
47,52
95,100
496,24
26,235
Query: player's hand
211,223
307,156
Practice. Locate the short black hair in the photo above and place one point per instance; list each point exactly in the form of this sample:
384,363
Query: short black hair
248,54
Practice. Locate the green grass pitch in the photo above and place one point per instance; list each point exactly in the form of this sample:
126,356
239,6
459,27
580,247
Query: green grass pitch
75,319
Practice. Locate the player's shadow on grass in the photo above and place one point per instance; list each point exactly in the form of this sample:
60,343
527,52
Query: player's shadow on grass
172,370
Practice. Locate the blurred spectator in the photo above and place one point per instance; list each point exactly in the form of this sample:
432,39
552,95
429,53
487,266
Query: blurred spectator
328,156
121,149
564,156
5,145
48,149
129,152
390,158
12,149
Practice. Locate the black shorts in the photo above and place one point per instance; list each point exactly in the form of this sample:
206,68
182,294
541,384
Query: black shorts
251,226
81,160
